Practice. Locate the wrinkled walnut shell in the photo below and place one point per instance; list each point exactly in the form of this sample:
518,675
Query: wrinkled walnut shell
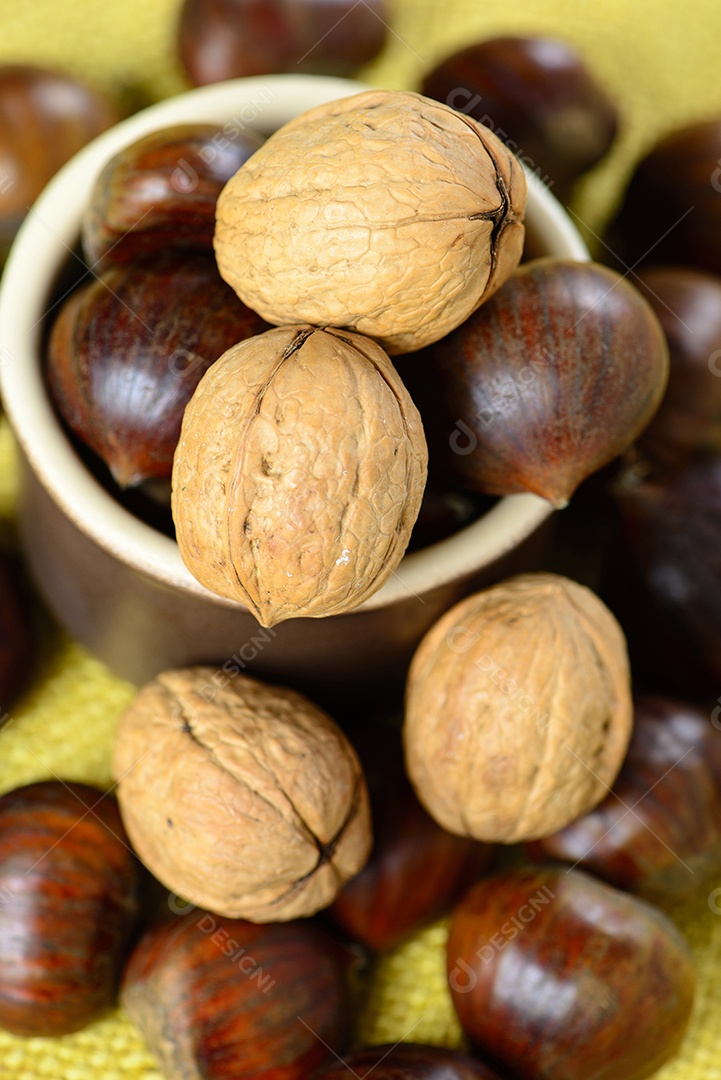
385,212
519,709
299,473
243,798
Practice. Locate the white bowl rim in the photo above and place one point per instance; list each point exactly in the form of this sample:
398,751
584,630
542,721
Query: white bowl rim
50,231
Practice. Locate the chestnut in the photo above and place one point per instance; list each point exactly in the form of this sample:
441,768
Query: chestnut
687,426
68,904
671,525
561,977
160,192
227,999
45,118
417,870
664,659
548,380
127,351
410,1061
538,96
229,39
671,211
658,833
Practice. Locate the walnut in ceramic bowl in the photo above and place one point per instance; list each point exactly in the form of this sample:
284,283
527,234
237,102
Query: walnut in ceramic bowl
385,213
382,219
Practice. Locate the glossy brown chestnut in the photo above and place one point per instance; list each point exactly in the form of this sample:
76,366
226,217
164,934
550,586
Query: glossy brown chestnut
16,645
538,96
687,425
417,870
128,350
226,999
562,977
45,118
549,380
658,833
160,192
68,884
229,39
671,211
410,1061
664,658
671,526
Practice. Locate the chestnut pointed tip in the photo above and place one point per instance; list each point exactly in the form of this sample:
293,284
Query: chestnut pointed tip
126,474
557,490
557,495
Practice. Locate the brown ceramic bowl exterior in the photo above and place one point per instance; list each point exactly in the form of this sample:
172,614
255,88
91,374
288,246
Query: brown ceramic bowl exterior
118,585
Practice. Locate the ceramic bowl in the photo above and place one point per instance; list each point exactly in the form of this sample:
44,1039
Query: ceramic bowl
118,585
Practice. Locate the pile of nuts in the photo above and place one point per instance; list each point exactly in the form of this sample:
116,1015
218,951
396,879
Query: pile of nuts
381,223
384,224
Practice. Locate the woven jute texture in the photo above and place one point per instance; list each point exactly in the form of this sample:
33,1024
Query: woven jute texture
660,60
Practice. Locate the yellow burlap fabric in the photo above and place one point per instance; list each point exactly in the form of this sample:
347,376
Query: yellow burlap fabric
660,58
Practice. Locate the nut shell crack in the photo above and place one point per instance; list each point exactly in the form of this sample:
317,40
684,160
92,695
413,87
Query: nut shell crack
267,798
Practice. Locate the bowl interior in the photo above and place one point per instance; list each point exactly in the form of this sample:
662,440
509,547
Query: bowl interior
47,240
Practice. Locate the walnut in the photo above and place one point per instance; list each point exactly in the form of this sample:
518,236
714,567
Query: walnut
299,473
384,212
243,798
519,709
